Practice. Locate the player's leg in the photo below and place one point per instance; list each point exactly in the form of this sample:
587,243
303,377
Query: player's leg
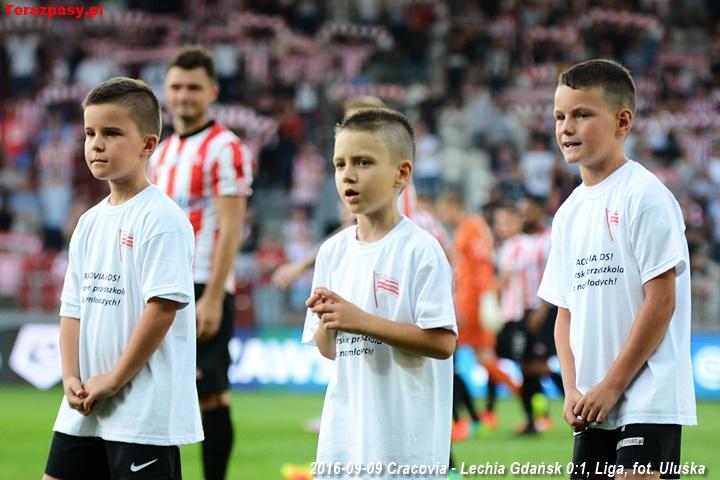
72,458
129,461
213,360
644,449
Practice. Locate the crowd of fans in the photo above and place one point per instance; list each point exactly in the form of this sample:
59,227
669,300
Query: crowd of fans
476,77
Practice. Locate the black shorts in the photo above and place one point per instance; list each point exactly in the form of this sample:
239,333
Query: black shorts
598,453
541,344
511,340
92,458
213,356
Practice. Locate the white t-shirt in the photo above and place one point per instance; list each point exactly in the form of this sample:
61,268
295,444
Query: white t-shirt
384,405
607,241
120,257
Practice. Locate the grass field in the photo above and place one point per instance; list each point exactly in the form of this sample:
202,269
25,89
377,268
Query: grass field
269,433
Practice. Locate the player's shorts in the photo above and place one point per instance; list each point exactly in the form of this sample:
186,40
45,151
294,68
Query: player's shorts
92,458
512,340
632,446
213,357
541,344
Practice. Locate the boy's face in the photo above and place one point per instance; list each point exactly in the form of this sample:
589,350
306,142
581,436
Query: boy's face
586,127
366,177
189,93
115,149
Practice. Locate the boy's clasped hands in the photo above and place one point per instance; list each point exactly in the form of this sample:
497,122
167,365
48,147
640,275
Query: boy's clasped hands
334,312
84,397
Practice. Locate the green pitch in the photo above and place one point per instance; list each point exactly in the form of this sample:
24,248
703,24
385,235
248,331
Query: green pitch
269,433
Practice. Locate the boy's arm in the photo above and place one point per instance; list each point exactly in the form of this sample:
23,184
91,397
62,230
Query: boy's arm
647,332
325,339
337,313
231,214
153,325
70,360
567,369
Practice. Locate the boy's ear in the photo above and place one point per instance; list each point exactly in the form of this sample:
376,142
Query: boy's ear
404,173
151,141
624,121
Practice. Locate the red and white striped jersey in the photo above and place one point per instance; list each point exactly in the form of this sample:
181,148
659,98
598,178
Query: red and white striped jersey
537,250
195,168
511,260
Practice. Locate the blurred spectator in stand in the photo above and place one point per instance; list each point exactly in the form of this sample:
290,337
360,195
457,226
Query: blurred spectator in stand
308,172
267,299
22,50
55,158
536,165
427,161
705,292
97,66
25,207
299,243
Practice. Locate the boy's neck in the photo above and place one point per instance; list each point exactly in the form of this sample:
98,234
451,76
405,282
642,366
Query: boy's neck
121,192
595,174
371,228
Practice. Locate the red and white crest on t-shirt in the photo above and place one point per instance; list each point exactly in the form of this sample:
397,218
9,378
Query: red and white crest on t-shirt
612,218
383,283
126,240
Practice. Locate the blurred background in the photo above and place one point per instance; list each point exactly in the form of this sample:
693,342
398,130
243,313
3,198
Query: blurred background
475,77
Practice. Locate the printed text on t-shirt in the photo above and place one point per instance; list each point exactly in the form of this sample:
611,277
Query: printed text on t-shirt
588,271
355,345
92,286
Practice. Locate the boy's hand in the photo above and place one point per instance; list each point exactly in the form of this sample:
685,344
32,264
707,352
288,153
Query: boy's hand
75,393
208,314
595,405
97,388
576,423
335,312
315,299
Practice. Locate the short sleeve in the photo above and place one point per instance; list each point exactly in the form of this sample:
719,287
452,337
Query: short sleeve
434,306
657,241
70,297
231,171
553,286
167,268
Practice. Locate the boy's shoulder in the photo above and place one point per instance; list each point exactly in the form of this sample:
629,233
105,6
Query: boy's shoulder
164,211
407,233
153,208
644,189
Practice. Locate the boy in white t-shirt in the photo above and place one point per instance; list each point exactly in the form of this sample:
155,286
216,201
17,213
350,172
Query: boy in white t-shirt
127,324
618,271
382,308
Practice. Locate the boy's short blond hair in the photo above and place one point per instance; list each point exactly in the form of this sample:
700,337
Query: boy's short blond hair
136,96
396,130
614,79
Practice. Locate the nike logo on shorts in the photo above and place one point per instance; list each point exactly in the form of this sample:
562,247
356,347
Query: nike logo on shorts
136,468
